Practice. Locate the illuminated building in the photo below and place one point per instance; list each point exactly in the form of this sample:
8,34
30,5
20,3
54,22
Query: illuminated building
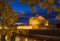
24,27
37,22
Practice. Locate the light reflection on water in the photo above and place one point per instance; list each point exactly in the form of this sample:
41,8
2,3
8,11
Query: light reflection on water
24,39
17,38
21,39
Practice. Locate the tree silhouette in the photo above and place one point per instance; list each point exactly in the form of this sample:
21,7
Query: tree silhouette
44,5
8,16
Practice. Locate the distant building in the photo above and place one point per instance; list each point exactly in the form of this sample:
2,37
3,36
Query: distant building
38,21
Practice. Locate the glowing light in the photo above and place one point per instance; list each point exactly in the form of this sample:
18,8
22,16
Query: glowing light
26,39
58,17
17,38
0,27
46,23
19,23
24,27
38,21
33,21
7,38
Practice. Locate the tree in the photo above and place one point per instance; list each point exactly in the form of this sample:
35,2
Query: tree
9,17
44,5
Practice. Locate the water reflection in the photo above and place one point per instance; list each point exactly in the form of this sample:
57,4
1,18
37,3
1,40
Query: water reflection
17,38
23,39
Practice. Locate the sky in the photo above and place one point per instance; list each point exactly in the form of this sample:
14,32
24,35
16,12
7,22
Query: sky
17,7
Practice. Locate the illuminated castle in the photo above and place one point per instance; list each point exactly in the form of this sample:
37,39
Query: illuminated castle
38,21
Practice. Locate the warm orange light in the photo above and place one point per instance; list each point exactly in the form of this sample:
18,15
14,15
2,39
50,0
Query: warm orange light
38,21
0,27
24,27
46,23
17,38
33,21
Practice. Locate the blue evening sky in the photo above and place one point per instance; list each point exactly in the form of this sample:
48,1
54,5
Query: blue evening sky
17,7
